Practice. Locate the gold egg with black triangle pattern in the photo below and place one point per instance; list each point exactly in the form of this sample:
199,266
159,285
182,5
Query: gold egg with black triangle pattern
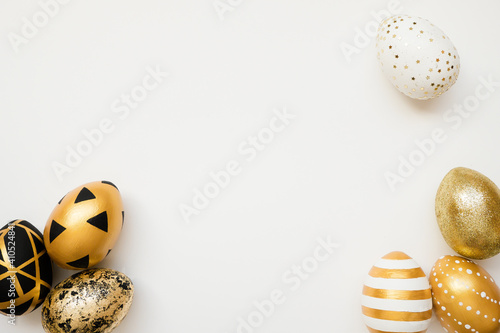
25,268
85,225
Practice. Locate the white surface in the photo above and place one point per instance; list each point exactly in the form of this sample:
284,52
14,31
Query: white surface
322,176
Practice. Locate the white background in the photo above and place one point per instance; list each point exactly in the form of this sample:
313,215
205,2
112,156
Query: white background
321,177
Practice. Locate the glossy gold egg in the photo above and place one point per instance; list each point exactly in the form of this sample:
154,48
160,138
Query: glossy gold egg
468,213
465,297
85,225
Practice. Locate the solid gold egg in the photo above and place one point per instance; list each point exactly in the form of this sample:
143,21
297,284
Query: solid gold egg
465,297
85,225
468,213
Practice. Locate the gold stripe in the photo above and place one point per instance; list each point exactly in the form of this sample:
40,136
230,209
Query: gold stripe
397,294
396,273
397,315
377,331
396,255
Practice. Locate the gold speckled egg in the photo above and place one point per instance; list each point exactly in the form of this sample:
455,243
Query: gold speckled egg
85,225
466,298
468,213
396,296
94,300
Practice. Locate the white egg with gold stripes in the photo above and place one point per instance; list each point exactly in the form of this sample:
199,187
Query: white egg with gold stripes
396,296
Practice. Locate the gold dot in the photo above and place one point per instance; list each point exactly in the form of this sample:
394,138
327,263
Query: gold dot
411,28
447,62
388,31
442,51
393,36
439,70
443,79
449,54
413,78
418,61
437,59
394,78
396,56
422,88
414,22
406,86
406,67
427,77
413,89
444,37
394,66
431,40
448,69
451,66
389,25
396,27
390,47
454,57
432,84
421,31
430,69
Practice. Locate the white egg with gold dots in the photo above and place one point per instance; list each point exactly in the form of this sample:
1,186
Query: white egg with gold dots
417,57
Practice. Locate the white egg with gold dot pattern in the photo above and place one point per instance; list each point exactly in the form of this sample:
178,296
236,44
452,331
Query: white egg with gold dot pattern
465,297
416,56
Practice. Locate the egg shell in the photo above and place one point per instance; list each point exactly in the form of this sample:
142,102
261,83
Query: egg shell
468,213
466,298
94,300
85,225
416,56
25,268
396,296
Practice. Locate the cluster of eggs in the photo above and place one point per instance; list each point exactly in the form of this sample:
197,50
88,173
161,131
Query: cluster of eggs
398,297
81,231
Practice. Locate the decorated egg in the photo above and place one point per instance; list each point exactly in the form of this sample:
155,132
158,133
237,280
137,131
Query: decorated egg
85,225
465,296
396,296
468,213
94,300
416,56
25,268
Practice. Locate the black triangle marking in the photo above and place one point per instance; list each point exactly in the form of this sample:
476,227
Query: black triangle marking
100,221
108,252
4,269
80,263
27,284
84,195
55,230
38,245
109,183
30,269
22,308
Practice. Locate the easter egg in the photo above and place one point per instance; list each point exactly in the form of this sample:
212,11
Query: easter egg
468,213
416,56
465,296
94,300
396,296
85,225
25,268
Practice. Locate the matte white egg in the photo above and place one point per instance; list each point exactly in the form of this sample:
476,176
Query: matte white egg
416,56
